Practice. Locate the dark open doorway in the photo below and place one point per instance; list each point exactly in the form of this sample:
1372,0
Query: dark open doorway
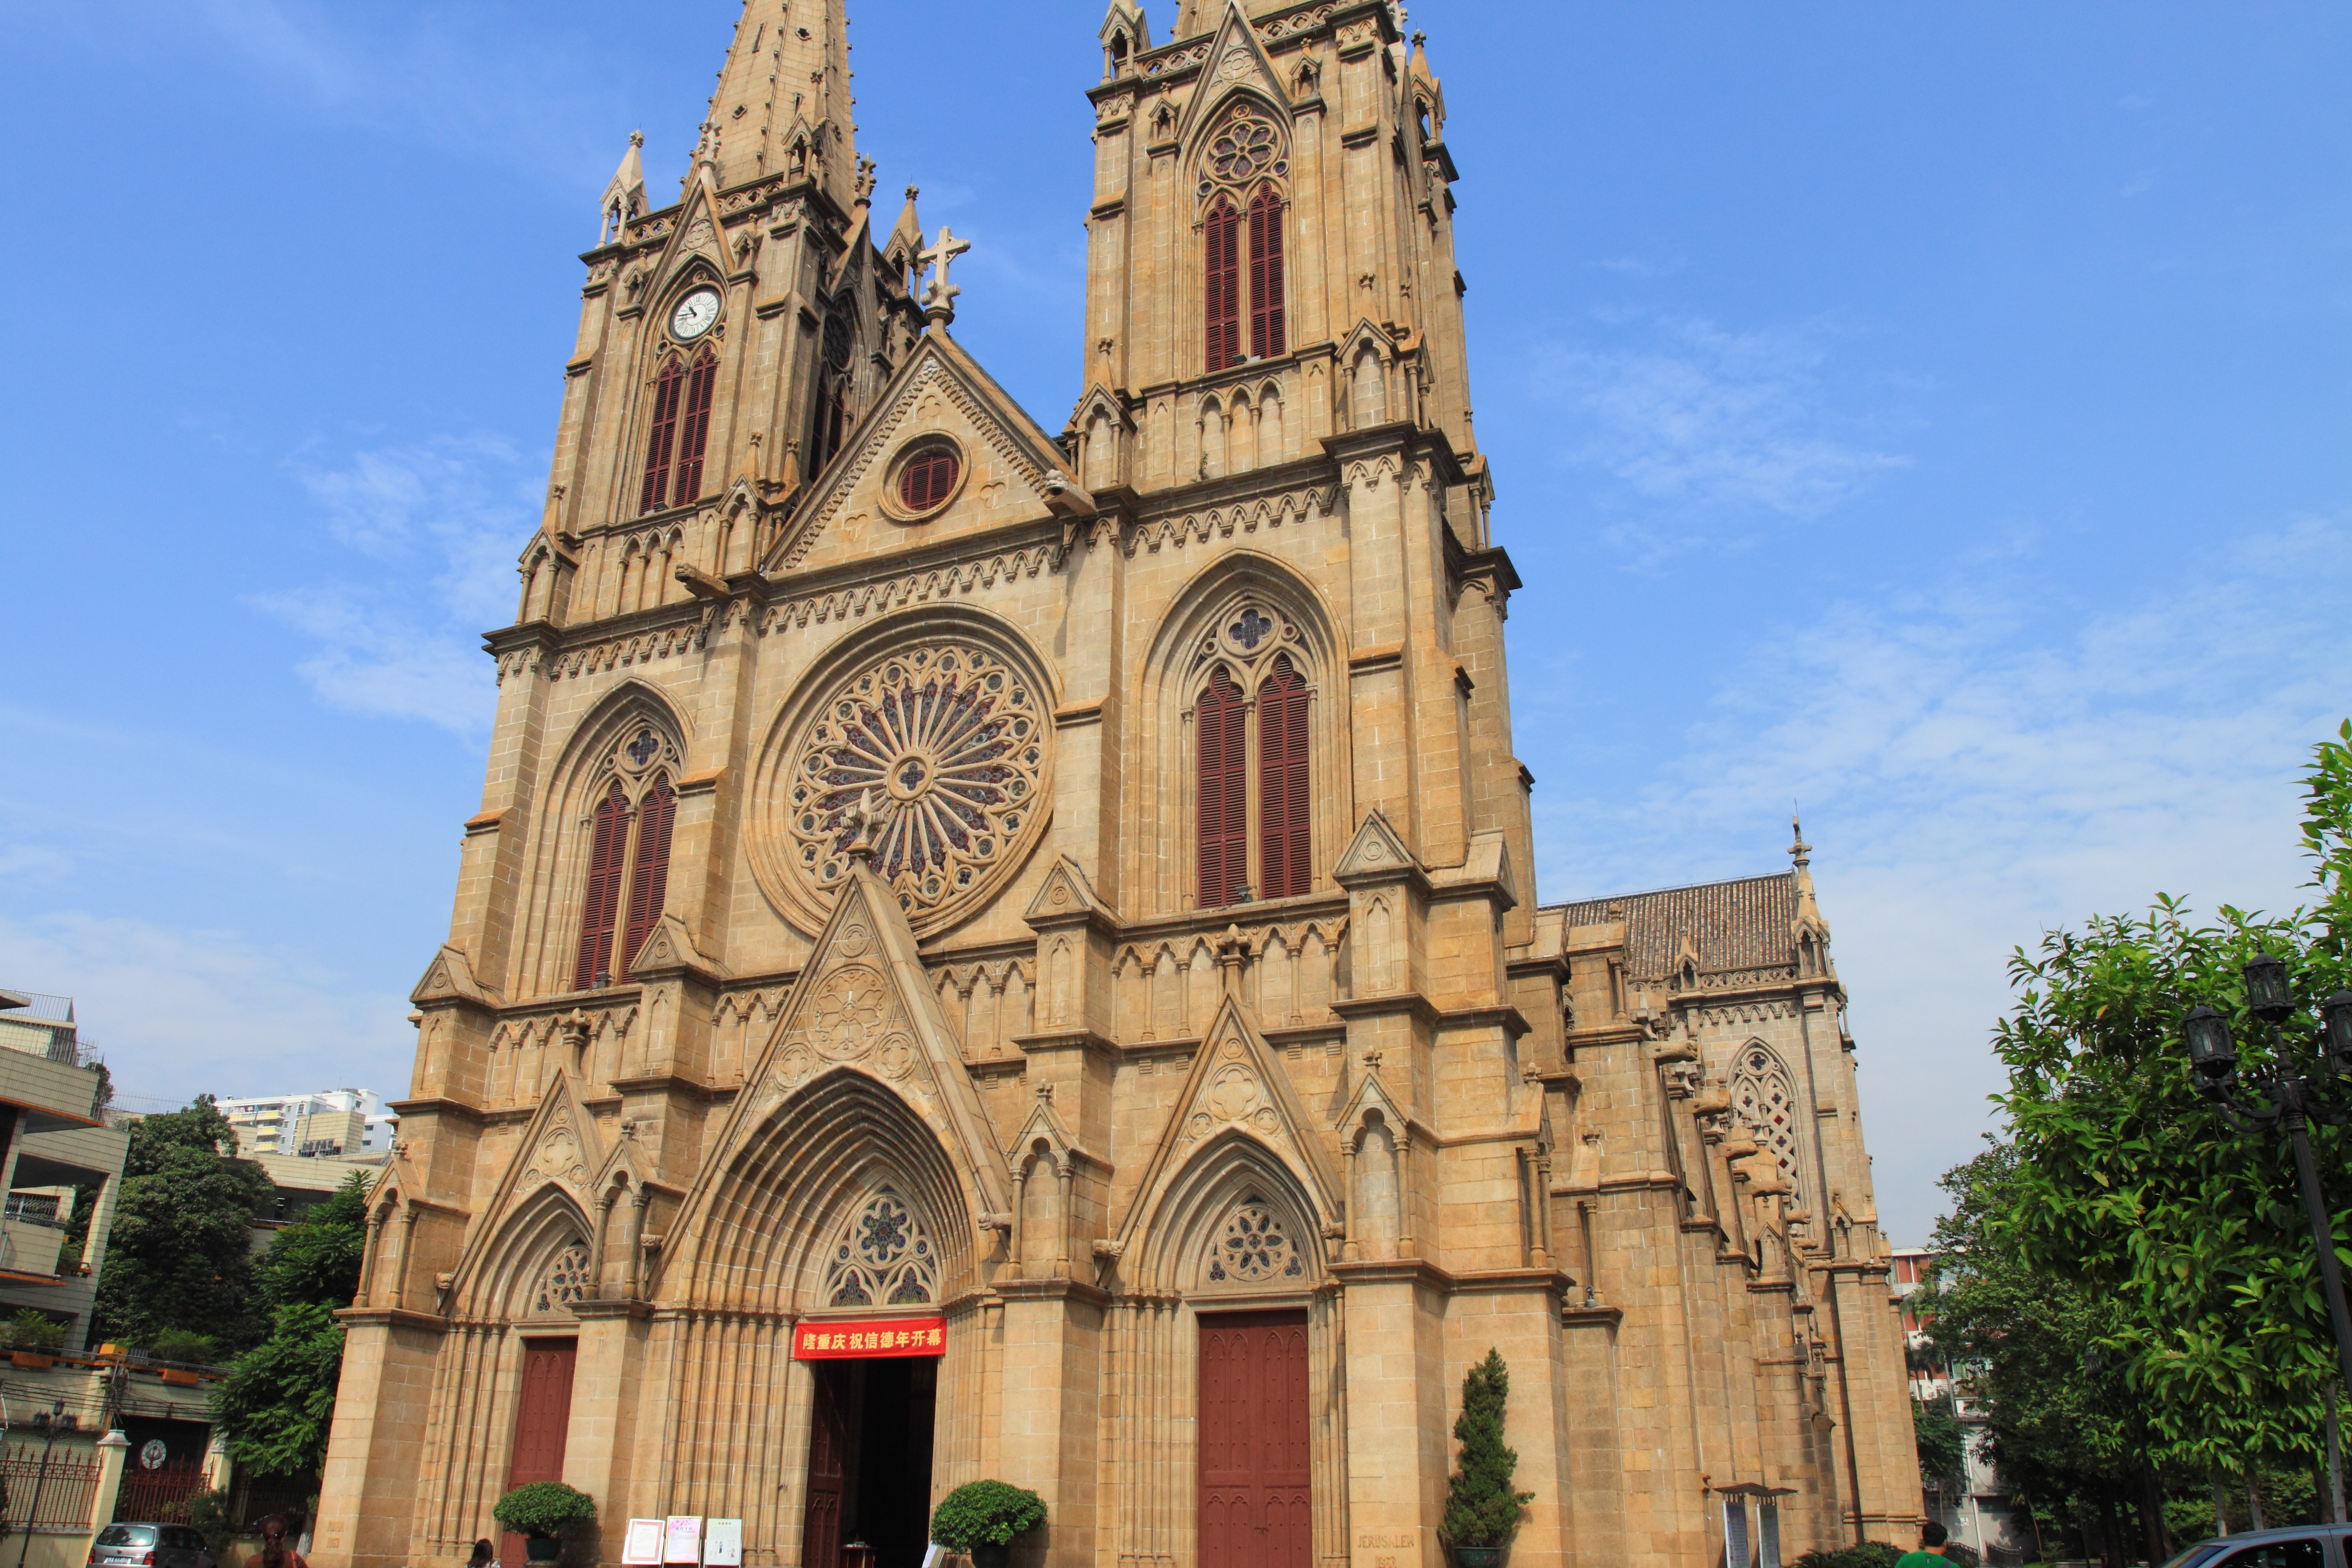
870,1460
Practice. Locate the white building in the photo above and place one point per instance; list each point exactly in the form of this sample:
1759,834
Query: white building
327,1122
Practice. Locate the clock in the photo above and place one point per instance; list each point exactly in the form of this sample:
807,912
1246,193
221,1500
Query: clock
694,314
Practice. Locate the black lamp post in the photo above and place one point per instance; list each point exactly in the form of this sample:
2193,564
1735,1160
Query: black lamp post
2276,1097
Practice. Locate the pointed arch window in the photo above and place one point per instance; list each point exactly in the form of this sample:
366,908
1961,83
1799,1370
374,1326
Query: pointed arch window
607,847
1223,296
1284,846
649,868
1764,1100
1265,274
680,431
882,1258
1222,723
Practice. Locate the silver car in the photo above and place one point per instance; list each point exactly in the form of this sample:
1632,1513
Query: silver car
149,1544
2301,1546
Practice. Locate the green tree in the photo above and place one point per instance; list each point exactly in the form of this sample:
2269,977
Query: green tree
1943,1447
277,1405
179,1254
1481,1508
2181,1238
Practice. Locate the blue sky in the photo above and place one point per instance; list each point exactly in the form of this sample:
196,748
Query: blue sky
1939,417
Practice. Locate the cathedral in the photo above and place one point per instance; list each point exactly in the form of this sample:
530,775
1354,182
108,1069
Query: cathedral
989,952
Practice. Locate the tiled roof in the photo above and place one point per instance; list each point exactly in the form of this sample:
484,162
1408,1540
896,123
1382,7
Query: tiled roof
1733,925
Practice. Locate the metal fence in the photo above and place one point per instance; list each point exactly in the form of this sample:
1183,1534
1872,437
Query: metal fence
51,1491
259,1497
161,1493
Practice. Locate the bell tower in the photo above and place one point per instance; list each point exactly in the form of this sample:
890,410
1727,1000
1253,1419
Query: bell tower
1272,295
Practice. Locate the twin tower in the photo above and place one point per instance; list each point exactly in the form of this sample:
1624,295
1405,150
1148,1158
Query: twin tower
994,952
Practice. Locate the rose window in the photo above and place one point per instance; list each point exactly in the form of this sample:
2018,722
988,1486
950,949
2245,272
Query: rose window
1255,1246
1245,148
884,1257
939,753
565,1282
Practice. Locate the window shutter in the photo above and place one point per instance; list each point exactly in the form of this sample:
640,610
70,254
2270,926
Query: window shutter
1265,275
1223,295
661,439
695,432
604,897
1224,807
649,878
1284,851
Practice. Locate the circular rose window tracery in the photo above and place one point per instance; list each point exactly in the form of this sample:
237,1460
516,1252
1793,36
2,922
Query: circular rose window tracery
945,744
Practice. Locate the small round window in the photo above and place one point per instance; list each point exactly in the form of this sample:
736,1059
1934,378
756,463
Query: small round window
928,479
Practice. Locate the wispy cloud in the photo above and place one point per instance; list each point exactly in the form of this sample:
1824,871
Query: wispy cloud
1977,767
1707,430
180,1013
440,521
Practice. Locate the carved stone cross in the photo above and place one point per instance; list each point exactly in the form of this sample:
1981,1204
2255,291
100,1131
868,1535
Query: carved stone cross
939,299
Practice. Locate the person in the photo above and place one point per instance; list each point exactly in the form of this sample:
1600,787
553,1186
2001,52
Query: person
1931,1548
482,1557
275,1552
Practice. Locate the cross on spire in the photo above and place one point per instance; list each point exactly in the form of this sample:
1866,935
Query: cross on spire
939,299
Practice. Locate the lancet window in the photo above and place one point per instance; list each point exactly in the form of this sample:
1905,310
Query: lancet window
1764,1100
883,1256
1241,239
629,834
1253,705
679,431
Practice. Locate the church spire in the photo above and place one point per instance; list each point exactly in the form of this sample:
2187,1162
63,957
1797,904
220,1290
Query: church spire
782,104
624,199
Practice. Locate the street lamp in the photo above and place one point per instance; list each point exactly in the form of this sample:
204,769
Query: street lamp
2274,1097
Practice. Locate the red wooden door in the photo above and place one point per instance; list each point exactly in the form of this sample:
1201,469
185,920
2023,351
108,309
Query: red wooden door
1254,1464
828,1440
541,1421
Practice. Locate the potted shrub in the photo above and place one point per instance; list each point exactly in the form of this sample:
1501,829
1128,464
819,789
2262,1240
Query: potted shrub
540,1511
981,1519
34,1339
181,1345
1481,1508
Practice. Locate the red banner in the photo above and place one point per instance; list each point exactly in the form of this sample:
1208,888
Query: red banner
870,1337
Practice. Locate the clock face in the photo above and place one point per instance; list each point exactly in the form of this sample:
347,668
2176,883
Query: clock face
694,313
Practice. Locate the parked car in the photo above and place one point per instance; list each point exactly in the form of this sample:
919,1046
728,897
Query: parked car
149,1544
2300,1546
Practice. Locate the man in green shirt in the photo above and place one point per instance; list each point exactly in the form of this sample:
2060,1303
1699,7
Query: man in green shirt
1931,1549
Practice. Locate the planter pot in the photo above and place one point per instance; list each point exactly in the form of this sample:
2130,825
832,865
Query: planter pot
31,1358
542,1548
173,1374
1476,1556
988,1554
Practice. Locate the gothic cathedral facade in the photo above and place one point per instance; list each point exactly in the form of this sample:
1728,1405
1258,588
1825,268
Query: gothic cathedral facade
988,953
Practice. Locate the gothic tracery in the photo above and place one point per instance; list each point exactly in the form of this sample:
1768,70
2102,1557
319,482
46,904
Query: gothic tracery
883,1257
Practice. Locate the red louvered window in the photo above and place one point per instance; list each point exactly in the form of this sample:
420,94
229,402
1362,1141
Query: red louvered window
1265,275
607,849
1221,791
661,439
1223,295
701,382
649,876
1284,854
927,480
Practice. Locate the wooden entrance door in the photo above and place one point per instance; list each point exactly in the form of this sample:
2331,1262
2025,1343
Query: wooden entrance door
541,1421
828,1464
1254,1464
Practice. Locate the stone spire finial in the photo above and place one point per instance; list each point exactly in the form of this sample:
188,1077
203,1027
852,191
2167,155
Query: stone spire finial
624,197
863,821
1798,850
939,298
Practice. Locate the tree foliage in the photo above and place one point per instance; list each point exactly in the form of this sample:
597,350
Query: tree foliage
2129,1217
278,1401
1943,1447
178,1256
1481,1508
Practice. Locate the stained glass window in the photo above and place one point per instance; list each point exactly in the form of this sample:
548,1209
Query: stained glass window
1254,1248
884,1257
565,1282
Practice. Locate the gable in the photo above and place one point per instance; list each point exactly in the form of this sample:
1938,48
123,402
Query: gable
1006,466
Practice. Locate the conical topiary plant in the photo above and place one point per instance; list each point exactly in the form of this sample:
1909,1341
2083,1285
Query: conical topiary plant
1481,1508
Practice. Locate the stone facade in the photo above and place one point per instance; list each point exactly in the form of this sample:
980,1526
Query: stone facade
853,862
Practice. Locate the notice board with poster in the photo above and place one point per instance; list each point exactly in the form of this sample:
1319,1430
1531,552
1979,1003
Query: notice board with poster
723,1543
642,1547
